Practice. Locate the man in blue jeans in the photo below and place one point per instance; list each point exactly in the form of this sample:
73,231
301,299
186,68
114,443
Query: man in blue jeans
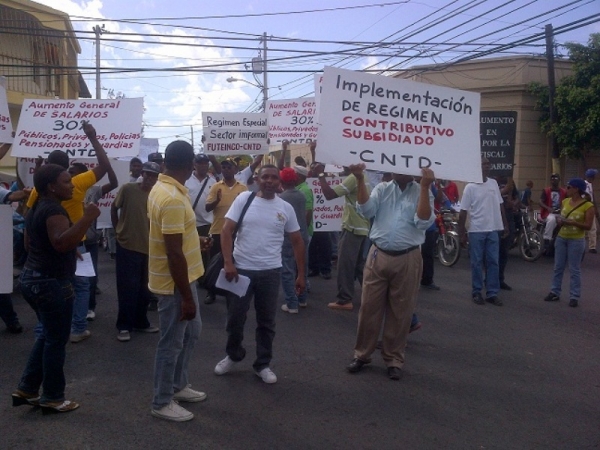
174,265
483,202
257,256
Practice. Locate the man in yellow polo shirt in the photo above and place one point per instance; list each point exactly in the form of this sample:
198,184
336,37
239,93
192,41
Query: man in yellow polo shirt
175,263
74,207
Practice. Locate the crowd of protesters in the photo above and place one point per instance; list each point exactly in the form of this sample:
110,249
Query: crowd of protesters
177,212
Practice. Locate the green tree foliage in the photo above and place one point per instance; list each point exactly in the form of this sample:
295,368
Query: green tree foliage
577,102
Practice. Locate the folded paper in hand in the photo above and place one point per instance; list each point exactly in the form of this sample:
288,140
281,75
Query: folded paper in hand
239,288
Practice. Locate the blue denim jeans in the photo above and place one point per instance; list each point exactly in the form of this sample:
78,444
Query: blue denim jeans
7,312
568,251
289,273
91,246
484,248
81,286
52,301
264,287
175,347
132,289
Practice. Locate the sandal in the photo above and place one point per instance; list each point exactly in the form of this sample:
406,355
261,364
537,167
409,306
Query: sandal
20,397
58,407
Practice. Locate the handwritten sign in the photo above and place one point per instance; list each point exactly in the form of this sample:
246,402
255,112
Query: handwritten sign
48,125
327,214
5,123
26,166
293,120
235,133
6,247
398,126
498,130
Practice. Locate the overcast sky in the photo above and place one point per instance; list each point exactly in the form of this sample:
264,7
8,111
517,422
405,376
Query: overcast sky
419,33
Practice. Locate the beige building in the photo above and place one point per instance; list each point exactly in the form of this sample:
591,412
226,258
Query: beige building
38,57
503,85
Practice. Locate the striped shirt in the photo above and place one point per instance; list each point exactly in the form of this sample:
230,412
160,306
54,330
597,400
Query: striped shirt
170,212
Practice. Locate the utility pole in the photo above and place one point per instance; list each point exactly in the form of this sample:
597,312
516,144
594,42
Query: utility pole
265,85
551,94
98,31
192,128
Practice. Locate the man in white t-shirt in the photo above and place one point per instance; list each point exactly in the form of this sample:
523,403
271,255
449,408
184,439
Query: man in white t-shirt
257,255
199,185
483,202
590,176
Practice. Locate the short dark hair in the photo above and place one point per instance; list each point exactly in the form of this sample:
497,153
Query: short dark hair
268,166
81,167
135,159
59,157
45,175
179,155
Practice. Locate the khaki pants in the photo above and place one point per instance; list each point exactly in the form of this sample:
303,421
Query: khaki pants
591,235
389,294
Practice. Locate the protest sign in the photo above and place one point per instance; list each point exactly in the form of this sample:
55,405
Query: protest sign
327,214
398,126
48,125
6,248
26,166
498,131
235,133
318,82
5,123
293,120
147,146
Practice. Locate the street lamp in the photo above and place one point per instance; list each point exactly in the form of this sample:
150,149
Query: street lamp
258,85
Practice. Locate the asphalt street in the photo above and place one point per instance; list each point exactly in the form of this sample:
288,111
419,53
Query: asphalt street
522,376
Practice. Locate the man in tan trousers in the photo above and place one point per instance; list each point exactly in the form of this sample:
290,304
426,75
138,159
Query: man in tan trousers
402,210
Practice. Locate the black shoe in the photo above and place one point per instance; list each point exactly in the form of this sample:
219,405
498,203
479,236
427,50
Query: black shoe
551,297
494,300
326,275
593,250
394,373
478,299
15,328
505,286
355,366
431,286
210,298
573,303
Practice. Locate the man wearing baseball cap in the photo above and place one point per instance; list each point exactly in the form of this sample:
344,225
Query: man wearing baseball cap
132,229
590,176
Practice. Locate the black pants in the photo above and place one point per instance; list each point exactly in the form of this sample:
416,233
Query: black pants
319,253
427,251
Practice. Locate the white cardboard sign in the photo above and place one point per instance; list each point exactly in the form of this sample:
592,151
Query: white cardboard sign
235,133
327,214
25,167
399,126
293,120
5,122
48,125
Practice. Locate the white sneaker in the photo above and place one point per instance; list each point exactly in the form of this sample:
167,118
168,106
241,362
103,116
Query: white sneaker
124,336
187,394
285,308
224,365
267,375
173,412
91,315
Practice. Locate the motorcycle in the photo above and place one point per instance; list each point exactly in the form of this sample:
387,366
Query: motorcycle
529,240
448,243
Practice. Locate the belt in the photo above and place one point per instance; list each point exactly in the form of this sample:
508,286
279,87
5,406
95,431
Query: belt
398,252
